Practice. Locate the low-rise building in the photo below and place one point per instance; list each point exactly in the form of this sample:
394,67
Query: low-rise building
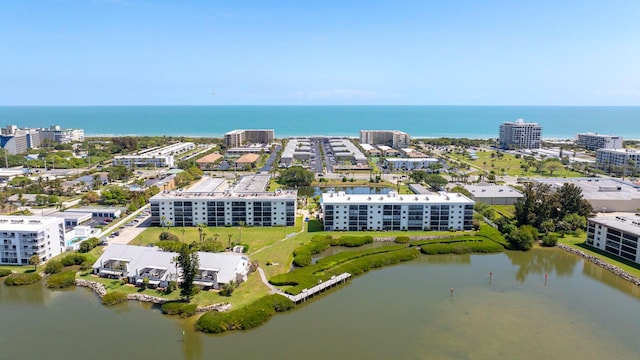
494,194
604,194
410,163
623,158
228,208
209,162
356,212
296,149
617,235
135,263
247,161
157,157
98,212
24,236
344,149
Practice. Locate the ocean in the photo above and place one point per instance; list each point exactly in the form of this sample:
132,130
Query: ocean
562,122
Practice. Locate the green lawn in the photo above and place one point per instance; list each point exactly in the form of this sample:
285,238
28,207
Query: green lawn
505,210
256,237
578,242
510,164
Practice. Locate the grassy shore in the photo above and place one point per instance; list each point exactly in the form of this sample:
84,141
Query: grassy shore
578,242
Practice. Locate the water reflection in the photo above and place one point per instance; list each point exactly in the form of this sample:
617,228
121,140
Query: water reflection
542,261
447,259
607,277
35,294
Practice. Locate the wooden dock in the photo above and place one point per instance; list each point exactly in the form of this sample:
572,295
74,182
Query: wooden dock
307,293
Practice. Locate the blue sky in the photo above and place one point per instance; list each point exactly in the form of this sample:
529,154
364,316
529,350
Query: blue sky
156,52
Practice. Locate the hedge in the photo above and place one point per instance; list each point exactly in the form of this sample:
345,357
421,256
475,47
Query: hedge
184,310
337,264
462,245
113,298
62,280
402,240
73,259
88,245
4,272
53,267
244,318
319,243
17,279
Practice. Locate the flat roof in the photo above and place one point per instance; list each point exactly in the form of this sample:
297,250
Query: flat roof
598,188
179,195
25,223
253,183
627,224
71,215
493,191
208,184
394,198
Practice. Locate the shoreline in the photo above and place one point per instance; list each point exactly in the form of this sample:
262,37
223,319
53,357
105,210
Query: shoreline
602,263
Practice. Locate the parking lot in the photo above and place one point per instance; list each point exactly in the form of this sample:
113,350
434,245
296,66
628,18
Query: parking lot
128,231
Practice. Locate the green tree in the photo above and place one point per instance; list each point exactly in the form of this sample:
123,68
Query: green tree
569,200
435,181
521,238
35,261
188,262
552,166
296,176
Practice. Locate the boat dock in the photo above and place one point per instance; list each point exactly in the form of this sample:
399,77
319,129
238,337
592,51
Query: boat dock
307,293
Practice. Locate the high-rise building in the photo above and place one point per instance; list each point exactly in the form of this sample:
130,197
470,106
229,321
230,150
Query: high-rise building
393,138
59,135
520,135
237,138
594,141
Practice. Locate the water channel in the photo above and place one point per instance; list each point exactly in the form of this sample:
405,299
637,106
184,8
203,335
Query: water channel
401,312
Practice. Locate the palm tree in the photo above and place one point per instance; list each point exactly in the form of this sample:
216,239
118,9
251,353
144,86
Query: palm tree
201,228
229,236
242,224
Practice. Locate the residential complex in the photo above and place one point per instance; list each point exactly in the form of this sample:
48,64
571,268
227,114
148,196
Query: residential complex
393,138
227,208
344,149
157,157
398,164
594,141
238,138
296,149
24,236
435,211
520,135
18,140
625,158
617,235
59,135
135,263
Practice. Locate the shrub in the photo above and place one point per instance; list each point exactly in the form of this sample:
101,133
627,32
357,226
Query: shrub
4,272
354,241
88,245
17,279
73,259
302,260
113,298
86,265
402,240
184,310
550,240
165,235
169,245
61,280
244,318
53,267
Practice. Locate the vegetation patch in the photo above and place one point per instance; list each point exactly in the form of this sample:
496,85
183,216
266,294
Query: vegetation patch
113,298
53,267
355,262
320,243
461,245
17,279
4,272
181,309
401,240
73,259
244,318
62,280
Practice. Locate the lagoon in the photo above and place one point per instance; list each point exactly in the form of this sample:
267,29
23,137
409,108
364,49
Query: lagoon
401,312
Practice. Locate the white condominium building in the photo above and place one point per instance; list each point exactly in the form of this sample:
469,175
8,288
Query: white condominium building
618,157
397,164
24,236
393,138
437,211
157,157
228,208
593,141
520,135
617,235
238,138
61,136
